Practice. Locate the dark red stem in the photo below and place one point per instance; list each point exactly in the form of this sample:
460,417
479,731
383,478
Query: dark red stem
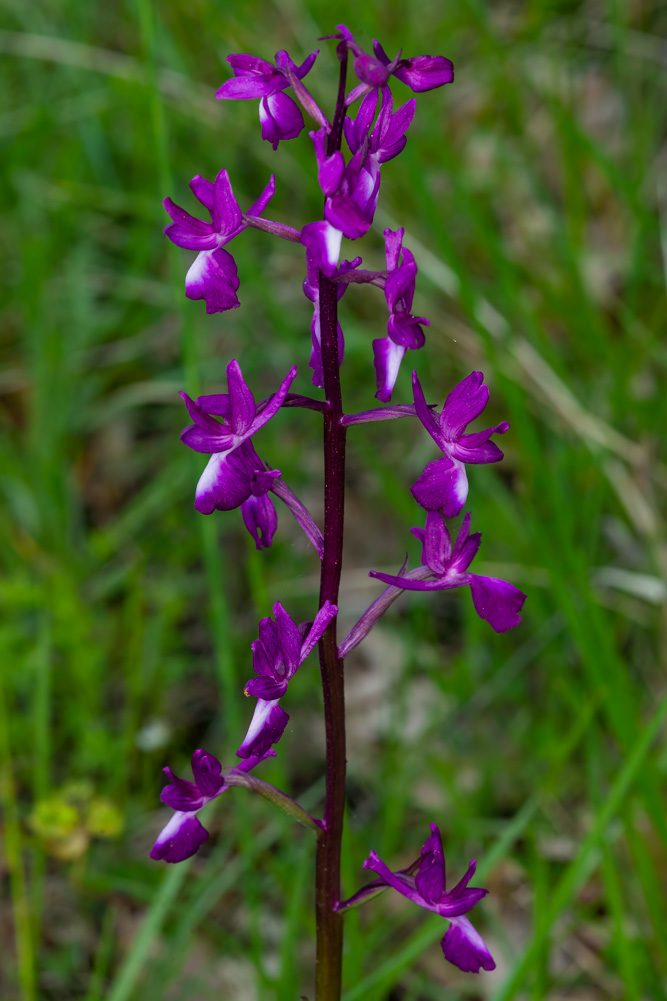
328,974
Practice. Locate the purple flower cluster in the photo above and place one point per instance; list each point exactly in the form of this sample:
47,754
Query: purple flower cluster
279,115
213,275
424,883
279,652
184,835
224,427
350,187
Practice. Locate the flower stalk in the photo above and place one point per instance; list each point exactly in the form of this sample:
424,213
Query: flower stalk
329,922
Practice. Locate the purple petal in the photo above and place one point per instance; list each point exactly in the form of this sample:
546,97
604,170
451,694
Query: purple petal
181,795
497,601
362,123
465,402
266,728
214,278
425,415
331,173
289,639
465,948
241,401
203,191
392,138
269,191
399,288
274,403
283,59
269,639
422,73
224,484
207,772
383,119
443,486
226,215
203,441
244,64
306,66
465,547
380,53
476,448
266,688
185,220
280,118
393,242
202,419
344,214
387,358
263,661
263,480
323,241
246,88
182,837
217,404
437,547
366,190
185,238
462,898
391,150
406,330
260,518
371,71
253,77
395,880
430,879
324,616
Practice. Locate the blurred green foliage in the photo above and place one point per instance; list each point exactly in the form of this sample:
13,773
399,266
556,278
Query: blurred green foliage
533,196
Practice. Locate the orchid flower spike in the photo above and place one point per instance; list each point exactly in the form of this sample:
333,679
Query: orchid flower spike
461,944
235,472
445,567
279,652
280,117
213,275
443,485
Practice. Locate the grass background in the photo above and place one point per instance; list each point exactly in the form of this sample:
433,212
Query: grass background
532,192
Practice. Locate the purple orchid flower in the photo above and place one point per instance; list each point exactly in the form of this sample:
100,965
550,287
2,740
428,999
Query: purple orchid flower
443,485
279,115
420,73
496,601
387,139
213,275
279,652
461,944
403,329
235,472
350,193
184,835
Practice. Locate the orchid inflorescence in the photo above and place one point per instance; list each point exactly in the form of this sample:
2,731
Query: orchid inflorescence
236,476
